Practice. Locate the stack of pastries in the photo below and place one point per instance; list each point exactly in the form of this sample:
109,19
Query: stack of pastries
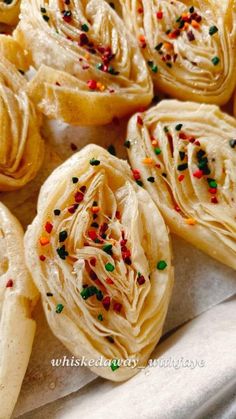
99,249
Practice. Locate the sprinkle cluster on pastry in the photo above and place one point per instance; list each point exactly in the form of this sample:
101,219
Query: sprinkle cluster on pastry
99,252
189,47
184,154
22,147
90,69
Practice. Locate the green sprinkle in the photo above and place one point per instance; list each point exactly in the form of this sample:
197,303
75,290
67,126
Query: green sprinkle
212,183
154,69
94,162
203,162
88,292
114,364
85,27
62,253
75,180
213,30
182,167
109,267
215,60
157,151
181,155
161,265
46,18
100,317
178,127
107,248
63,236
111,149
151,179
59,308
159,46
127,144
200,154
232,143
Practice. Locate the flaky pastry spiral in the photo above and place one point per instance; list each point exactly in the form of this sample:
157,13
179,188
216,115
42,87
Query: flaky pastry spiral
189,46
21,146
90,70
99,253
17,296
185,155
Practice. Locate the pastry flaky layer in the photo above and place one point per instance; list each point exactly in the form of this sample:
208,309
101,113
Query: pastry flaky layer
9,11
22,147
90,69
17,297
189,46
100,255
185,155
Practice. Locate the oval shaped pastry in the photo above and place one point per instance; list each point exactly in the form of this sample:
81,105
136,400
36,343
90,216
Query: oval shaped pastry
189,47
17,297
21,146
185,155
9,11
89,67
100,255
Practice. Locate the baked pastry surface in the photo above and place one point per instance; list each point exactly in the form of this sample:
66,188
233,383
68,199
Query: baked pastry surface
189,47
17,297
21,146
185,154
9,11
90,69
100,255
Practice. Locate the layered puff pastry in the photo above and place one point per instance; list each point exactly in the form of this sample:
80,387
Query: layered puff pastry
9,11
21,146
17,297
100,255
189,46
185,155
89,68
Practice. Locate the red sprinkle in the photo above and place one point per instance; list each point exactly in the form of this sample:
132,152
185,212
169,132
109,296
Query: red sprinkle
117,307
42,258
106,302
93,261
214,200
48,227
109,281
9,283
181,177
159,15
139,120
136,174
79,196
212,191
92,84
198,174
141,280
177,208
92,235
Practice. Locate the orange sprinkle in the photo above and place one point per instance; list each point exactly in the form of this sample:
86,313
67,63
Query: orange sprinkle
185,15
87,56
195,24
44,241
168,45
109,281
95,210
185,27
142,38
100,86
148,161
190,221
154,142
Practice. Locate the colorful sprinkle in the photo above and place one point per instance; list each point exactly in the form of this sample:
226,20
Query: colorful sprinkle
161,265
59,308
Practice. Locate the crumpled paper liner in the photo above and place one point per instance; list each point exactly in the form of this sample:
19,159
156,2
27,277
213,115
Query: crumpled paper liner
206,345
200,282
